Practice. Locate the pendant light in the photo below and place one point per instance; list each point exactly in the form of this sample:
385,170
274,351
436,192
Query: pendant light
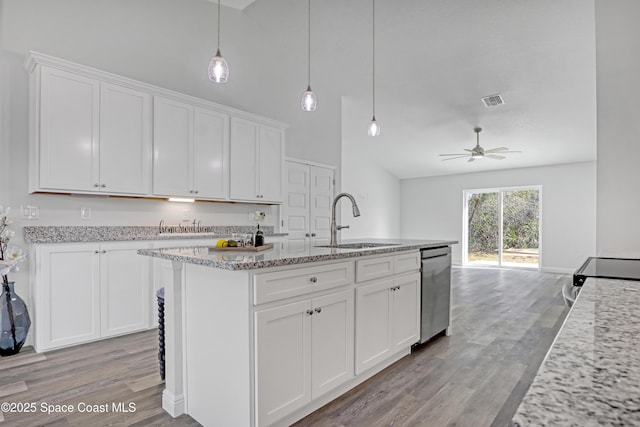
309,101
374,129
218,68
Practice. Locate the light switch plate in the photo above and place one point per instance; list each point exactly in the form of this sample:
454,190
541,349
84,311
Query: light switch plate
30,212
186,215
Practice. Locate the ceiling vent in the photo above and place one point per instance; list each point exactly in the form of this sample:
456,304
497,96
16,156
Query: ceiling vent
493,100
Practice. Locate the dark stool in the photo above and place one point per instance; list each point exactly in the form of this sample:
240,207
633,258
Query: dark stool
160,298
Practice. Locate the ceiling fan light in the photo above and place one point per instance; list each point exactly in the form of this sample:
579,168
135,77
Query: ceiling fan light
308,101
374,128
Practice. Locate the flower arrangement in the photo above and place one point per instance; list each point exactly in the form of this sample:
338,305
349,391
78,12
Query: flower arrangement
259,216
10,256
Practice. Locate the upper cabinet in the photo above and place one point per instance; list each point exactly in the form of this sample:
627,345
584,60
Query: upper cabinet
91,136
257,162
191,151
93,132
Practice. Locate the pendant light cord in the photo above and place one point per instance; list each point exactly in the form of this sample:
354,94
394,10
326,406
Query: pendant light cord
309,42
373,84
218,25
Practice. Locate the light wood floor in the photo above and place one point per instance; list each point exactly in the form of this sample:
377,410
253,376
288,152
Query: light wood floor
503,323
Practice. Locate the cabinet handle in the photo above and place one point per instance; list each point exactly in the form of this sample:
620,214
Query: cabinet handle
96,252
103,185
310,312
313,234
306,235
196,191
313,279
104,252
96,185
318,309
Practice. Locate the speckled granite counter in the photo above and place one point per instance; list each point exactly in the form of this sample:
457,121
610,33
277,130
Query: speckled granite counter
69,234
285,255
591,375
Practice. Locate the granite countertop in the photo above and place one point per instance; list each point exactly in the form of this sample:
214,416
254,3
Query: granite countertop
591,375
70,234
285,253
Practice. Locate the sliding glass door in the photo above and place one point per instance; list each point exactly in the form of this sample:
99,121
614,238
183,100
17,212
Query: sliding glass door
502,227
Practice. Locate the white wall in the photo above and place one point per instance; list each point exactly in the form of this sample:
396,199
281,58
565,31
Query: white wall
376,191
618,94
432,208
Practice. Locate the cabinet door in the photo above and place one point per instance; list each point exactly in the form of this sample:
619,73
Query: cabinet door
243,181
210,154
67,295
124,290
69,126
172,136
321,198
332,341
283,360
297,203
270,164
406,311
125,140
373,324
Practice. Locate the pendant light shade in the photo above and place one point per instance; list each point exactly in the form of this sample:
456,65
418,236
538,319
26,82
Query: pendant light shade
218,67
308,101
374,128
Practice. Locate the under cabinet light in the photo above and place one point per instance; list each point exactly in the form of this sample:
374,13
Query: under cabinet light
181,200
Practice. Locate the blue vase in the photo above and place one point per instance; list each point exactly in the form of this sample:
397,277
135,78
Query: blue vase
14,321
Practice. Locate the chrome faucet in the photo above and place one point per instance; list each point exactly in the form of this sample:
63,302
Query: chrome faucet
334,227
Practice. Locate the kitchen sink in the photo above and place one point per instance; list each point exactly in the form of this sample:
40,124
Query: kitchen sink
357,245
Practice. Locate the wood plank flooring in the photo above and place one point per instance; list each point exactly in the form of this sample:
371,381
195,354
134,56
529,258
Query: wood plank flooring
503,324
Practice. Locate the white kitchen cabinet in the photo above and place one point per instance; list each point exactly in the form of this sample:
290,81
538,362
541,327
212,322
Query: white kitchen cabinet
124,290
67,295
256,162
303,350
88,291
190,151
89,136
307,211
387,319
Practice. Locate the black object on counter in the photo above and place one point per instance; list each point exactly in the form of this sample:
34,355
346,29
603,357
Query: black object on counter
258,238
607,268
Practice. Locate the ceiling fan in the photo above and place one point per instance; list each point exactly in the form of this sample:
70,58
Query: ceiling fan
478,152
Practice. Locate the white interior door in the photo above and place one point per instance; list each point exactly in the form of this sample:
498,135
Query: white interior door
297,205
321,197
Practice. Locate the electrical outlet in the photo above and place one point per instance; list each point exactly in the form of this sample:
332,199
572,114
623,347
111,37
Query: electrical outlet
85,213
30,212
186,215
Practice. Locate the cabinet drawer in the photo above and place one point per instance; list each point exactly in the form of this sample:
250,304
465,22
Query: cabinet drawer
407,262
278,285
373,268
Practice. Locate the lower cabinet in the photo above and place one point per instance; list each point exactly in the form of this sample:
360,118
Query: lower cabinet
87,291
387,319
303,350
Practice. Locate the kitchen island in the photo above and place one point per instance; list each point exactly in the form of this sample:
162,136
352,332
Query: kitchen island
265,338
591,375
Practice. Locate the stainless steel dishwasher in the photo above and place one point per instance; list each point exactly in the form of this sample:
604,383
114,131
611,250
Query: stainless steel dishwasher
436,292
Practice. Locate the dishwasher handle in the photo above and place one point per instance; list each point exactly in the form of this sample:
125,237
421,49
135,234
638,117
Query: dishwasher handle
435,252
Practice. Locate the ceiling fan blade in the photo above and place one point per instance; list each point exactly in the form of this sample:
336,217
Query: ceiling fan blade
471,159
466,149
495,156
456,154
505,152
457,157
497,150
